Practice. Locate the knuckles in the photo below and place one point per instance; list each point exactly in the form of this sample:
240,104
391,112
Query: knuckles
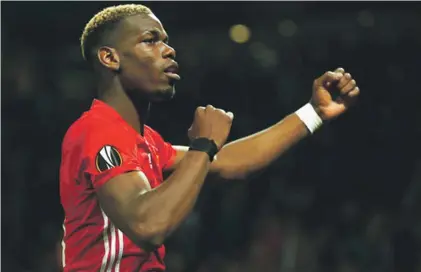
211,110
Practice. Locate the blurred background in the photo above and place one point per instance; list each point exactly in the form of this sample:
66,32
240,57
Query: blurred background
346,199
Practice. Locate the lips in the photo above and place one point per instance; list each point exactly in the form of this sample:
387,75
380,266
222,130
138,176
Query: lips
172,71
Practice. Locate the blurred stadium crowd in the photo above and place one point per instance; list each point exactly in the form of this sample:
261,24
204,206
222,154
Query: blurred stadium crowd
347,199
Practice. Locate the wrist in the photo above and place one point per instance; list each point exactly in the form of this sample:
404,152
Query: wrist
310,117
205,145
316,109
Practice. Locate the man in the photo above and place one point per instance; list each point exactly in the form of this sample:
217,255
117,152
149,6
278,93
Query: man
118,209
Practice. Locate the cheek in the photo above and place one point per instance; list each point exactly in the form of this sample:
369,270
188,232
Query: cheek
138,58
142,67
139,68
147,62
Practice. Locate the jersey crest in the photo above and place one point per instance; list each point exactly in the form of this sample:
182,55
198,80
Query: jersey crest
108,157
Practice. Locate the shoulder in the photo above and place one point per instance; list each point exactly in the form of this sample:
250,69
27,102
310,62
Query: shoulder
93,132
154,138
151,133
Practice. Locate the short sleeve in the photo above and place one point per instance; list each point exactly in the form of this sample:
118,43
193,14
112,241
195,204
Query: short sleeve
109,152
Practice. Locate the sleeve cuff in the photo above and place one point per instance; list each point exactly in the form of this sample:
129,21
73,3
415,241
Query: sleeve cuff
102,178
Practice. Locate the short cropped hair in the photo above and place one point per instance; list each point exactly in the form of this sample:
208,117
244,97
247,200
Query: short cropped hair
105,21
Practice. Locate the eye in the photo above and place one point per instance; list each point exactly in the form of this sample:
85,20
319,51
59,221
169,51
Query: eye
150,41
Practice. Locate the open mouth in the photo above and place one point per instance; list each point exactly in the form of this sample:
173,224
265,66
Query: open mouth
172,72
172,69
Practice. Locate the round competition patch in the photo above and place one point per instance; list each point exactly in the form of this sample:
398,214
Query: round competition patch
108,157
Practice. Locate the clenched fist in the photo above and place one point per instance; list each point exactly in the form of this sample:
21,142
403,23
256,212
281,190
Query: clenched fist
340,82
211,123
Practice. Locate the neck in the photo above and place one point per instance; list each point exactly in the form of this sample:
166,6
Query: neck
134,111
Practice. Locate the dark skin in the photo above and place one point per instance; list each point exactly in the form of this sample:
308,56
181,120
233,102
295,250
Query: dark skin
132,74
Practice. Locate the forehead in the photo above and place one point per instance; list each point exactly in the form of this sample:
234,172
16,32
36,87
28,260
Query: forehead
138,24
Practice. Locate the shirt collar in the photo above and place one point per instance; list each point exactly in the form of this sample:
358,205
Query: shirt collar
104,108
111,113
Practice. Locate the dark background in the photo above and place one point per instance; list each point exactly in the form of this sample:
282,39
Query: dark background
346,199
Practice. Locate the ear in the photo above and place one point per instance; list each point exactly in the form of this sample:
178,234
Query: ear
108,57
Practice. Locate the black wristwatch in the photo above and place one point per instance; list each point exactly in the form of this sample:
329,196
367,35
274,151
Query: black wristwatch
205,145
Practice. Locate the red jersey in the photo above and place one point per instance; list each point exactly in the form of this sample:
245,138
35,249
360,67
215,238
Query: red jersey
97,147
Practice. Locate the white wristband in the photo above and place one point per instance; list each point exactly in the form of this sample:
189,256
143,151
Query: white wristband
309,116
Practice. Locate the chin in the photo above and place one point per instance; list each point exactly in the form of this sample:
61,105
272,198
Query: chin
163,95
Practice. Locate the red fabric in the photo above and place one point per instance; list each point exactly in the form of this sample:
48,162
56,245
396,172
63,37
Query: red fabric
91,242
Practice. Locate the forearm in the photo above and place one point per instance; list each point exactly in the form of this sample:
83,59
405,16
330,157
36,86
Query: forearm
162,209
250,154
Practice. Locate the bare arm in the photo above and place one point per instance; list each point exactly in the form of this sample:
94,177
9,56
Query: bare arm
247,155
147,216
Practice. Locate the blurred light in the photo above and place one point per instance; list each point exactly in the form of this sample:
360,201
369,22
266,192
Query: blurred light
257,48
287,28
240,33
265,56
365,18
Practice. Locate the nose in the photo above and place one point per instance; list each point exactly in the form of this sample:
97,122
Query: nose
168,52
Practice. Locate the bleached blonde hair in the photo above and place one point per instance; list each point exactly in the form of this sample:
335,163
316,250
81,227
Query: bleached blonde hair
104,21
